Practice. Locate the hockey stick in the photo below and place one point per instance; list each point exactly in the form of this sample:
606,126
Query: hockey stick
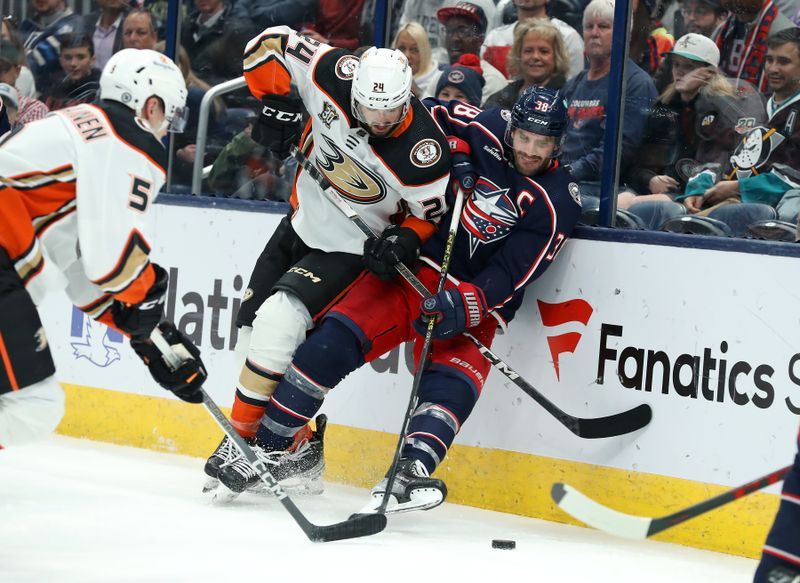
354,527
580,506
587,428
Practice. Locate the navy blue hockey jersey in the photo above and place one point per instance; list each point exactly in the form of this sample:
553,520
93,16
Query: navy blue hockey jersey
513,226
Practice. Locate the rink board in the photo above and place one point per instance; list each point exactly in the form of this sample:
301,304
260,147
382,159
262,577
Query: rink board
721,325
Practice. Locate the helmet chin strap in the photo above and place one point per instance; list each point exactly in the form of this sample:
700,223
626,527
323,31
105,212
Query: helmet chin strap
145,125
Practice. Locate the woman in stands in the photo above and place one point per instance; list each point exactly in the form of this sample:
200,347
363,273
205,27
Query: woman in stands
692,125
412,41
537,57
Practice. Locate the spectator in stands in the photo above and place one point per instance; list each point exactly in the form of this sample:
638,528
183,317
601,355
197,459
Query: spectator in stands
426,13
538,57
139,30
40,36
765,165
500,40
216,41
462,81
28,108
695,119
703,16
412,41
105,27
21,108
24,78
650,40
265,13
742,38
336,23
82,80
465,28
587,98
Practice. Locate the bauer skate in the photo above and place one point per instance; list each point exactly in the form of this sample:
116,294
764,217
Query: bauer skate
298,470
413,489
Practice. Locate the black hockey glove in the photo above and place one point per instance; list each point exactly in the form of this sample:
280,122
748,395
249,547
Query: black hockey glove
138,320
455,310
463,170
186,380
279,125
394,245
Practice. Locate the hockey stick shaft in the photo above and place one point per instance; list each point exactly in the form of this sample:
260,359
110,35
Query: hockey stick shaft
587,428
426,346
356,526
579,505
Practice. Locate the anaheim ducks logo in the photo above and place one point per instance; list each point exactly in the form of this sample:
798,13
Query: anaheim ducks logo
354,181
754,151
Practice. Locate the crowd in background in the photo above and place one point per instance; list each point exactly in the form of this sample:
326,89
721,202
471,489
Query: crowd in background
711,101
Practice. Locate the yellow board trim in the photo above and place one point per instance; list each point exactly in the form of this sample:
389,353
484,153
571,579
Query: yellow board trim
485,478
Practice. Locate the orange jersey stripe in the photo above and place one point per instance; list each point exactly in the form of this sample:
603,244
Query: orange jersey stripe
7,364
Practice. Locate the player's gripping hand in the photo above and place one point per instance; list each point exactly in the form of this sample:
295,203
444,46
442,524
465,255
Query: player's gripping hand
462,168
279,124
138,320
454,309
186,380
396,244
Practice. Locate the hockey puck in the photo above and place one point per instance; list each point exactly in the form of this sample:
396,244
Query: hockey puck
506,545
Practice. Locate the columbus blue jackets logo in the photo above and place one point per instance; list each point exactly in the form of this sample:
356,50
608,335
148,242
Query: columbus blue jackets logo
489,215
93,341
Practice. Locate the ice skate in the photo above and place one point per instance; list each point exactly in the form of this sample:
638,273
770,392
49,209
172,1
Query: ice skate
413,489
224,454
298,470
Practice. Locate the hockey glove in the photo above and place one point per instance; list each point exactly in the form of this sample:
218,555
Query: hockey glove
455,310
279,125
463,170
394,245
186,380
138,320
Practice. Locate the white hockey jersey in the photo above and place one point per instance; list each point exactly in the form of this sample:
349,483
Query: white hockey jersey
399,179
74,191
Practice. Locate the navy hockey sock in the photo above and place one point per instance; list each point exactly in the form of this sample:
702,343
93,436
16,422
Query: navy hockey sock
319,364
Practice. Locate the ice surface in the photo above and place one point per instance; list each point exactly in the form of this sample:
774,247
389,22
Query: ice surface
76,511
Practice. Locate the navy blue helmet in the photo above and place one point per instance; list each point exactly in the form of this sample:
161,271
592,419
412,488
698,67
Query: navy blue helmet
539,110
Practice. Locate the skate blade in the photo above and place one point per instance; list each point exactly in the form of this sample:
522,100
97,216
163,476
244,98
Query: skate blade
223,495
293,487
419,499
210,485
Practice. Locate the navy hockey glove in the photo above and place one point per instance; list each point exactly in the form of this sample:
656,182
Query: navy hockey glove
462,168
186,380
455,310
279,125
394,245
138,320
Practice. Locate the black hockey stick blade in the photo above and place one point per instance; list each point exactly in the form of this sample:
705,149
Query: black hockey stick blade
580,506
356,526
614,425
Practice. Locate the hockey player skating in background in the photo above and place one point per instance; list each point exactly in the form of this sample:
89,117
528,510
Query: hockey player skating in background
519,216
780,558
381,149
75,188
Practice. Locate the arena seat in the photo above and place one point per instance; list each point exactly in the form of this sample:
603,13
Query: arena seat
694,225
739,216
773,231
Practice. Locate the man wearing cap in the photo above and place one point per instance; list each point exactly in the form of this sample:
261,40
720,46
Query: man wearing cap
464,31
424,12
763,167
499,40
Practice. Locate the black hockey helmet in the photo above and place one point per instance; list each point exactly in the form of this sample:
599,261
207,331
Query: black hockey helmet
539,110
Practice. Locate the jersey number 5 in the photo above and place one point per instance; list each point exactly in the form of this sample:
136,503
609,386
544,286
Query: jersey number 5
139,196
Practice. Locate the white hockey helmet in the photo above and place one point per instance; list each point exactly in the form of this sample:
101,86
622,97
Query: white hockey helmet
382,82
131,76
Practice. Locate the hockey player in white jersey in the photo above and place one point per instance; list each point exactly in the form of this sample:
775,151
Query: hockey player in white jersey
382,151
74,190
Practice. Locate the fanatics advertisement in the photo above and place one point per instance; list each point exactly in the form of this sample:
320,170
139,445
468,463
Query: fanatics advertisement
714,352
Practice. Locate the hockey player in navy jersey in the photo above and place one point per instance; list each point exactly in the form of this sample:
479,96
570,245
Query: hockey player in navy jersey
780,557
522,209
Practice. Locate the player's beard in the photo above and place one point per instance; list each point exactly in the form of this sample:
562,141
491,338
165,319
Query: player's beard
528,165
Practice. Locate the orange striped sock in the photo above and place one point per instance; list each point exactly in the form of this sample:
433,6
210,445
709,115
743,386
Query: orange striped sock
247,413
